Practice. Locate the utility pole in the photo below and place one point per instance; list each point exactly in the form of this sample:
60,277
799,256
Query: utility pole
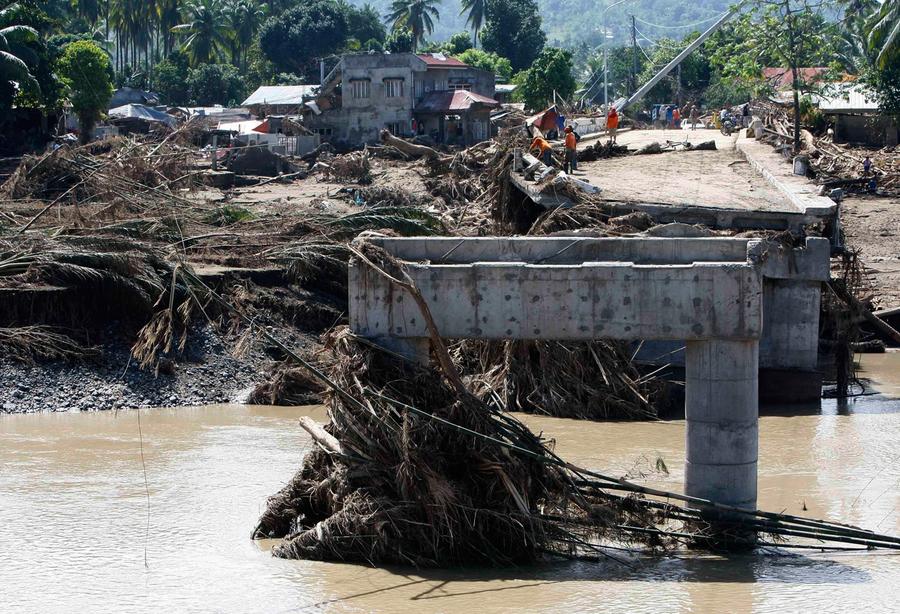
634,57
678,86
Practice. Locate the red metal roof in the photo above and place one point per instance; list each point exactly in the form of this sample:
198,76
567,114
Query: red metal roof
439,59
454,100
782,78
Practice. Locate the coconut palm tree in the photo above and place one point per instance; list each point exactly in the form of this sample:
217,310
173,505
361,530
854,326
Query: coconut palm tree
416,15
246,18
206,29
15,56
475,20
884,31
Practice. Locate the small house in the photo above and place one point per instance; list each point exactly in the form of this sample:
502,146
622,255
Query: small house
406,93
854,114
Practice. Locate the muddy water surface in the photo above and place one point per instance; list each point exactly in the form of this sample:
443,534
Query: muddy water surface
76,535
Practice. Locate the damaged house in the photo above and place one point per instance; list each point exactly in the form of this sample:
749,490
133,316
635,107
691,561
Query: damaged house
408,94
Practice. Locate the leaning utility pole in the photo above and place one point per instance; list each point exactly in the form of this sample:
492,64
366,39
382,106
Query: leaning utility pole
634,57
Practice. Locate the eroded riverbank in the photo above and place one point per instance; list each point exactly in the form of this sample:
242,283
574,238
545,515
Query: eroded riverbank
74,520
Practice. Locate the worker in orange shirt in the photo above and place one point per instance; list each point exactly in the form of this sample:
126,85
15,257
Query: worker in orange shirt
571,164
543,149
612,123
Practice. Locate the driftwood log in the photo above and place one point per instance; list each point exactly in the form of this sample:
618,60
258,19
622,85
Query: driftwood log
411,149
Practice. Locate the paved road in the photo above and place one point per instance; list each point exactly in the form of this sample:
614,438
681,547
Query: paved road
719,178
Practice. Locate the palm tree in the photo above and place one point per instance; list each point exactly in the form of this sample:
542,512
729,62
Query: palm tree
884,31
206,29
475,20
415,15
168,15
14,54
246,17
89,10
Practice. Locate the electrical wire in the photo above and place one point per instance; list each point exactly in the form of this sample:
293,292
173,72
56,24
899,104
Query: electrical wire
687,25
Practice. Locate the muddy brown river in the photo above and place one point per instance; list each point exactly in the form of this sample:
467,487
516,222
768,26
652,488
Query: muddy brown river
104,512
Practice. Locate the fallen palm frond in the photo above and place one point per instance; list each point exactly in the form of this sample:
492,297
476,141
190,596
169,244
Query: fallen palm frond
406,221
29,344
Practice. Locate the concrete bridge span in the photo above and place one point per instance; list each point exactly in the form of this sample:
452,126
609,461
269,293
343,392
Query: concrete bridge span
709,293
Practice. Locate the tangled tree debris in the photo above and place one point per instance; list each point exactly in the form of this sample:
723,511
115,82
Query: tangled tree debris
414,469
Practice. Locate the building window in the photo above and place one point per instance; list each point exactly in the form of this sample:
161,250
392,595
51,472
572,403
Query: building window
420,88
322,131
396,128
461,85
359,88
393,88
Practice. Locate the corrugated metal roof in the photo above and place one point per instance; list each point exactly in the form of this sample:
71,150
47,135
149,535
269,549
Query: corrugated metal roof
847,99
456,100
139,111
279,94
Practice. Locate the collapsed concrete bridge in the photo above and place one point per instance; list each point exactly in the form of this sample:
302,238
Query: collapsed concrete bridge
710,293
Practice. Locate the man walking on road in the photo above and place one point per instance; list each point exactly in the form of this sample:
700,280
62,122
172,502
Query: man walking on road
571,163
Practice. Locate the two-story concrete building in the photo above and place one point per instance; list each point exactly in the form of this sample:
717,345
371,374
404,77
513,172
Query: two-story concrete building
406,93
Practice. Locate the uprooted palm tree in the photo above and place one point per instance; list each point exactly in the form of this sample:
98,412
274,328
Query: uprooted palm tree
417,15
15,56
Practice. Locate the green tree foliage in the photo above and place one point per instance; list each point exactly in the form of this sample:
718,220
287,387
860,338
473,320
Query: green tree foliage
206,31
478,58
883,28
293,40
26,64
245,18
365,25
475,14
85,69
170,79
687,82
789,34
551,72
212,84
458,43
417,15
513,30
400,41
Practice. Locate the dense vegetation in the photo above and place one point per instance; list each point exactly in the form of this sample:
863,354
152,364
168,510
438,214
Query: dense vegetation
208,51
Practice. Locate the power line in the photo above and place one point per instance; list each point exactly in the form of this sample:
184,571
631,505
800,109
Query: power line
688,25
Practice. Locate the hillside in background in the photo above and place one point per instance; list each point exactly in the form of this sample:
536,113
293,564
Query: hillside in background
569,23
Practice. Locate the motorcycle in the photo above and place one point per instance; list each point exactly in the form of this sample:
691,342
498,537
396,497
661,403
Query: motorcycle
729,124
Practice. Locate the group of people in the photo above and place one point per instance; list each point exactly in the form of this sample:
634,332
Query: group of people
542,146
670,115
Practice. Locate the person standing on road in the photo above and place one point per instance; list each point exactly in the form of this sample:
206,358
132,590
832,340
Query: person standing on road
693,115
676,118
612,124
669,115
571,163
545,152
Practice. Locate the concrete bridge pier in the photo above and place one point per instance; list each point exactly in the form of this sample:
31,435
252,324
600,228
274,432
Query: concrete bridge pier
722,416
